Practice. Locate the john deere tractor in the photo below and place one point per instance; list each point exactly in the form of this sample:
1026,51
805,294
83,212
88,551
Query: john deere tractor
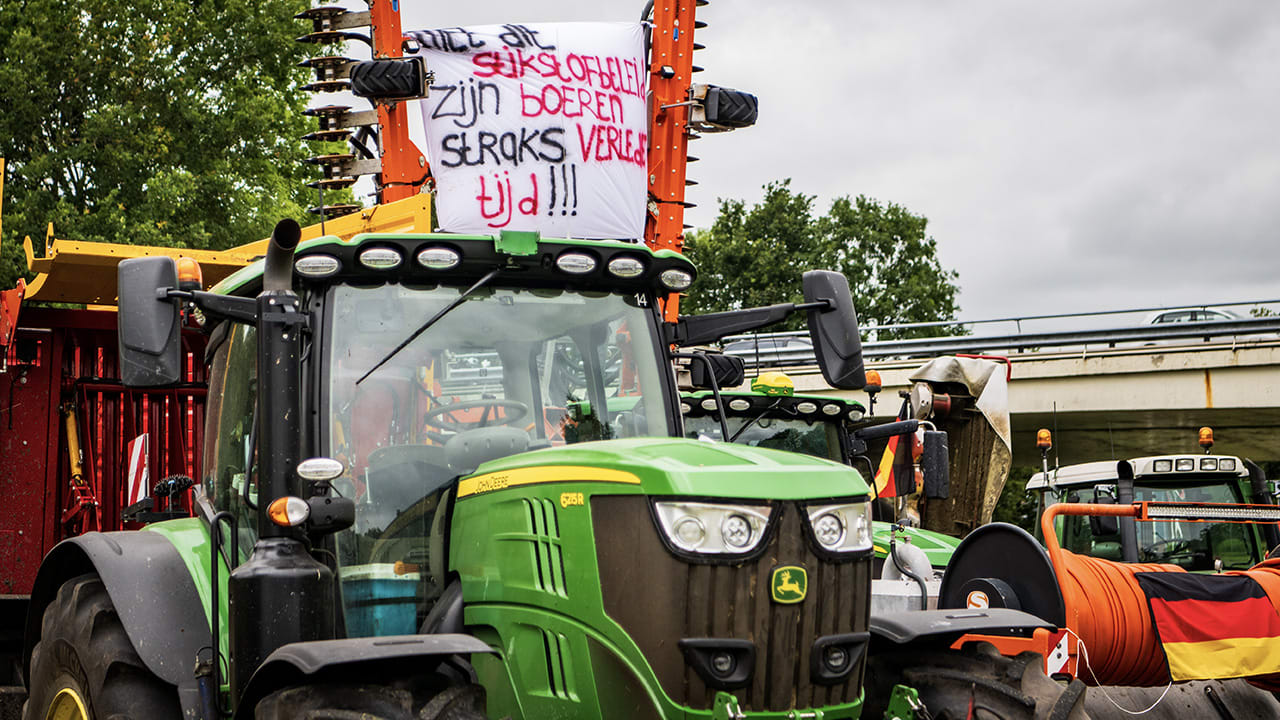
772,415
444,478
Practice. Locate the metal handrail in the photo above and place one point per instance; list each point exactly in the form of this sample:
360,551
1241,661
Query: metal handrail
1021,342
1017,319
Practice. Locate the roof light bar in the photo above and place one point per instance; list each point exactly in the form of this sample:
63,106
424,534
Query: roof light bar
1210,511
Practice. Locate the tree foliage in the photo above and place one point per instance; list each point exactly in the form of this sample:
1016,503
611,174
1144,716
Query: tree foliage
159,122
756,256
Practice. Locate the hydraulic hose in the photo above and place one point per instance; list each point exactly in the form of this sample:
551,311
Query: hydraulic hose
893,555
1109,612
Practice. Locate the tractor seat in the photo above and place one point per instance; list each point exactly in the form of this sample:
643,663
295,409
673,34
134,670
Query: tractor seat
400,475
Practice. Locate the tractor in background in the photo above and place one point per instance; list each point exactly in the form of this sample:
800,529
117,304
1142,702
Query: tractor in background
1190,478
771,415
1122,550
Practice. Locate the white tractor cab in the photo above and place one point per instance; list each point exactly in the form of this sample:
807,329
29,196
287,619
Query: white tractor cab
1194,546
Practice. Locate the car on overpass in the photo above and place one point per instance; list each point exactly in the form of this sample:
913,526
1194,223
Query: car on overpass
1182,315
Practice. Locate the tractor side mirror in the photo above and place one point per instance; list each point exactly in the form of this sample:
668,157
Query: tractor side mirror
150,346
935,465
834,330
730,370
1104,525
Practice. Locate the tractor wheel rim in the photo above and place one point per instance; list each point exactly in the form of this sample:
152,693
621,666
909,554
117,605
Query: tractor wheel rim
67,705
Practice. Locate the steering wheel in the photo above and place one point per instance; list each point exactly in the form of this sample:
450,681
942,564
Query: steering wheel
1169,551
513,411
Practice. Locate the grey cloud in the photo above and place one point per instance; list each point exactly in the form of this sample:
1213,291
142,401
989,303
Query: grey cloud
1078,155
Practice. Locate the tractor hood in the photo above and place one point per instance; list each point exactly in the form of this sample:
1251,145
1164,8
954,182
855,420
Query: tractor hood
665,466
936,546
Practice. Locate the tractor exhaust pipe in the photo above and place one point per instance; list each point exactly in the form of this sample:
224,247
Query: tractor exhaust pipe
281,594
278,274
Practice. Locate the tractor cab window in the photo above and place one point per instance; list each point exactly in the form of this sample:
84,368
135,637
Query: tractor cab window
811,437
1194,546
230,465
1095,537
507,371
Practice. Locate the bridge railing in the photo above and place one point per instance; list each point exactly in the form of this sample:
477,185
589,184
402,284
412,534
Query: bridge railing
785,349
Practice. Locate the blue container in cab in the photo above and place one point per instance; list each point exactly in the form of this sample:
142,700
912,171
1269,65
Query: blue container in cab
379,602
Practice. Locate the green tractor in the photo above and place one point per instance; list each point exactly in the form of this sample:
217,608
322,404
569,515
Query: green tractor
771,415
444,478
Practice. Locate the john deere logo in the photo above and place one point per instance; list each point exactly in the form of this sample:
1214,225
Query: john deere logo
790,583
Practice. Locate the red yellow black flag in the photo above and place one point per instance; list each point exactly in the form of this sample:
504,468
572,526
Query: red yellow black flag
1213,626
896,473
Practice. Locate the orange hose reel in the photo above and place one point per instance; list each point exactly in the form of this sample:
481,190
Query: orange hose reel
1107,609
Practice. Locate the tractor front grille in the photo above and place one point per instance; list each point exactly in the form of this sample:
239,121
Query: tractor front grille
659,599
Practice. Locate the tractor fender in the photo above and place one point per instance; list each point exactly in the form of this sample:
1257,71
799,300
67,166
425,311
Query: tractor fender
372,659
152,592
944,627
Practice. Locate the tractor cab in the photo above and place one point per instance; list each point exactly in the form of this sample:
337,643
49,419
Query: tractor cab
430,355
1197,479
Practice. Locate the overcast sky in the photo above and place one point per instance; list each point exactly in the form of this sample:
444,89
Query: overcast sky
1071,156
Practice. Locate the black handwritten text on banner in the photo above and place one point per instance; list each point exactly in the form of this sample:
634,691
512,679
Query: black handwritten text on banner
538,127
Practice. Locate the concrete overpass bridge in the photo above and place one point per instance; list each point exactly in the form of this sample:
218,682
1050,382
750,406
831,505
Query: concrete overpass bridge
1118,392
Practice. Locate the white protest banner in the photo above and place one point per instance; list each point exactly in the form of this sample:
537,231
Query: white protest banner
538,127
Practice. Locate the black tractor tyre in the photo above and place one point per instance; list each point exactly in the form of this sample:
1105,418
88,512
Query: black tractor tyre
371,702
83,650
975,682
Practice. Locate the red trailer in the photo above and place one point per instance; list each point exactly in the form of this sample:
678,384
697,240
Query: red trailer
67,424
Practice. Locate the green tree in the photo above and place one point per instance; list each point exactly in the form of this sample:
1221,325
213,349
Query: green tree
755,256
159,122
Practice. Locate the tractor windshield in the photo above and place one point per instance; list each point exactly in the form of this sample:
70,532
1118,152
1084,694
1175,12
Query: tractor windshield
508,370
811,437
1195,546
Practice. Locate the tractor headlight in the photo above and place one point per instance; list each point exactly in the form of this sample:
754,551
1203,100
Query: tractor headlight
712,529
842,528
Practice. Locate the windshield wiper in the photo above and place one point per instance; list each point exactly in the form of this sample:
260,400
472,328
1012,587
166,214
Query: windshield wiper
434,318
754,420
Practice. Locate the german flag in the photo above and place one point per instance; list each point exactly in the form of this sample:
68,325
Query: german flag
1213,626
896,474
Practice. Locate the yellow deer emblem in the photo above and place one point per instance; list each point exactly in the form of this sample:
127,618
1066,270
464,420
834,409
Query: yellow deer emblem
790,583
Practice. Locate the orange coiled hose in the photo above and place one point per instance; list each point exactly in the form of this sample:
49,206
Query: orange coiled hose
1108,610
